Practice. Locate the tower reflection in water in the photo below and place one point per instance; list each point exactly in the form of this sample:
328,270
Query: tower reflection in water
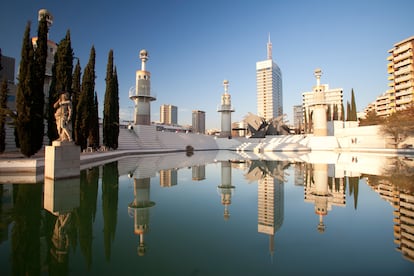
324,190
270,176
226,188
139,209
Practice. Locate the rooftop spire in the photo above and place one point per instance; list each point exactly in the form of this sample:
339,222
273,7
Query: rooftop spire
269,48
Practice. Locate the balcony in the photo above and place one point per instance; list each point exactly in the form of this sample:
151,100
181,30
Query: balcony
403,56
401,49
403,78
404,100
402,63
403,85
404,70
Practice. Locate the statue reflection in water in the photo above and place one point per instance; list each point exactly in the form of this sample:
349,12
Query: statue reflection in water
140,210
61,198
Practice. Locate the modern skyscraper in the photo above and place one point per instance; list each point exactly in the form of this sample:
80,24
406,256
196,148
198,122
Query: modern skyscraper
401,74
168,114
199,121
269,87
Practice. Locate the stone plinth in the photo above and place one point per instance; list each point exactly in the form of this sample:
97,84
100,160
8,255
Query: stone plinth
61,196
62,160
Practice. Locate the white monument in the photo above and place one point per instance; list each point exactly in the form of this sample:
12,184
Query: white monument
319,119
225,110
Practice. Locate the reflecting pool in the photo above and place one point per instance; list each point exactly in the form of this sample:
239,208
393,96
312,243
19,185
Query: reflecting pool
215,213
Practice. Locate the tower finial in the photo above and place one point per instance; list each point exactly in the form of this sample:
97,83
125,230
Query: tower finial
269,48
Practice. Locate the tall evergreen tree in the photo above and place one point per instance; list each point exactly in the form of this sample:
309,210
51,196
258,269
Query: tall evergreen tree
111,106
38,96
342,117
353,107
335,113
348,111
76,88
94,130
86,103
23,95
3,108
30,95
61,80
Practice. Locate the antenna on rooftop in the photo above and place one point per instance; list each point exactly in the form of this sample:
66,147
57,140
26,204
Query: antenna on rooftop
269,48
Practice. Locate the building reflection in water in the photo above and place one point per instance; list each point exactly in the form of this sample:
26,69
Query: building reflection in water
198,172
226,188
323,190
270,196
397,187
140,210
168,178
61,197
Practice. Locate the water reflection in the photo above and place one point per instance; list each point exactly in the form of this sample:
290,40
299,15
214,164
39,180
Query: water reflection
77,222
226,188
324,191
61,198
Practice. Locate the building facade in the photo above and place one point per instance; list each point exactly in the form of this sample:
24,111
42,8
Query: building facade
168,114
199,121
269,87
401,74
298,118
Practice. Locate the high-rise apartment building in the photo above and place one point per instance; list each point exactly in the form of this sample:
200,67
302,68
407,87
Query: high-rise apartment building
401,74
168,114
269,87
199,121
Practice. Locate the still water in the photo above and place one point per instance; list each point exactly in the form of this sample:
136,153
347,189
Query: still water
215,213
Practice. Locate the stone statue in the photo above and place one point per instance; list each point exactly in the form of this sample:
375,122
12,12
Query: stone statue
63,116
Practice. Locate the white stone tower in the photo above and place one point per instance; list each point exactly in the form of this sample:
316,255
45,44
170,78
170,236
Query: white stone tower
142,96
320,125
226,110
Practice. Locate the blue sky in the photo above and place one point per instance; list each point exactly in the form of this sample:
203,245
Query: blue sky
195,45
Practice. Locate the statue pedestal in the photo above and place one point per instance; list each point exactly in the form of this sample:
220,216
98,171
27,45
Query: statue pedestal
62,160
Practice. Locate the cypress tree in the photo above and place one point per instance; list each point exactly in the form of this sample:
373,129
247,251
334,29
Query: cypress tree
38,96
86,103
348,111
3,108
23,95
115,110
94,130
342,117
76,88
30,95
111,106
61,80
335,112
353,107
